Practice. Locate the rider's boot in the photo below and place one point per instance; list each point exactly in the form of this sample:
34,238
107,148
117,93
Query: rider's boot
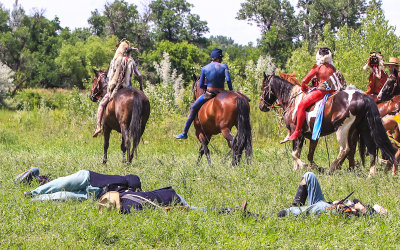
193,111
301,194
99,117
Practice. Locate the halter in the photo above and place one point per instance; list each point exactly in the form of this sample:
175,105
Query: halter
96,92
268,88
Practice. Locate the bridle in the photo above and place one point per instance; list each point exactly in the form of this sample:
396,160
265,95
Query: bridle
265,88
96,91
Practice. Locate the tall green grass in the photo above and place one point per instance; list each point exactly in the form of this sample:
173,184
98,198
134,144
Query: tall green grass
59,142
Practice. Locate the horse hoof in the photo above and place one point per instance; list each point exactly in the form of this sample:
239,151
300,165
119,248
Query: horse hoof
104,161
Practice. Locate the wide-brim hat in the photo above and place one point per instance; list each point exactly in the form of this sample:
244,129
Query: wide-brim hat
392,61
110,201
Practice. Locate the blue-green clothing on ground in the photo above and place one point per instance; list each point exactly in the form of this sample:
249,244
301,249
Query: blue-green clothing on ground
316,200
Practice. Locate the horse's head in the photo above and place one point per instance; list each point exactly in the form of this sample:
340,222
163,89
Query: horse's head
375,63
99,87
267,97
390,88
196,90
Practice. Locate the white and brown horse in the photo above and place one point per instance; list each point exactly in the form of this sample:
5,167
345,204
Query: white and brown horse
351,114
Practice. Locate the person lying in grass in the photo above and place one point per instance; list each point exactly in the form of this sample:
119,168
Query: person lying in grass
82,185
309,186
114,191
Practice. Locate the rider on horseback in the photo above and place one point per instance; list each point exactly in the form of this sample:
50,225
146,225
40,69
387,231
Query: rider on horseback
214,74
119,76
322,71
378,76
393,64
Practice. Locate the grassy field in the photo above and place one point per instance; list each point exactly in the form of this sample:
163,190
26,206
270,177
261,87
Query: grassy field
59,143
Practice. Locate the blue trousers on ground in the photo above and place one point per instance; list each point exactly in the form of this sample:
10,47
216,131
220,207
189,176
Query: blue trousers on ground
75,186
184,203
316,200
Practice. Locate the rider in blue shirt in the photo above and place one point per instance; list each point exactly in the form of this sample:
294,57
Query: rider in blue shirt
215,73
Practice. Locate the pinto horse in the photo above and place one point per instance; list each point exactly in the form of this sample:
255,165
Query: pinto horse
353,115
127,113
219,115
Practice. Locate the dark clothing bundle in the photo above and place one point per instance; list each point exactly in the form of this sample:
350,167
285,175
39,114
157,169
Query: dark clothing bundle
115,182
163,197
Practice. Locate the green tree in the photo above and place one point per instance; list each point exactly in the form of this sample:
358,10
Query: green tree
123,20
186,58
315,14
278,24
174,22
77,59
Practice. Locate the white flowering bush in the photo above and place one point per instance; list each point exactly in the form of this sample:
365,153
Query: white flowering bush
168,95
5,81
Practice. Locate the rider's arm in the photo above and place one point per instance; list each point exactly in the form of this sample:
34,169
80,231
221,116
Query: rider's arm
370,86
228,78
202,80
138,75
308,77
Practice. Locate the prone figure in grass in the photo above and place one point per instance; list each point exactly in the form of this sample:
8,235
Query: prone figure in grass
310,187
114,191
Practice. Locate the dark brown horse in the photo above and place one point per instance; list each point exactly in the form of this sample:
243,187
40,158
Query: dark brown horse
219,115
353,115
126,113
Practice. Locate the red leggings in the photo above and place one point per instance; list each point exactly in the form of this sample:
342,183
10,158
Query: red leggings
307,101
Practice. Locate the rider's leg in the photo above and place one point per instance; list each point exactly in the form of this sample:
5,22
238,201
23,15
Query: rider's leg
100,112
192,114
308,100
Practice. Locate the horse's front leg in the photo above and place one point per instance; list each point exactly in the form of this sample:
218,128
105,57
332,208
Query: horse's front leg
311,151
106,136
296,152
201,152
204,139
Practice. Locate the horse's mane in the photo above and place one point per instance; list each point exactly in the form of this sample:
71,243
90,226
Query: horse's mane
286,88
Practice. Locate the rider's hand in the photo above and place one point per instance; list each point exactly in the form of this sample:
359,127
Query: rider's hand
304,88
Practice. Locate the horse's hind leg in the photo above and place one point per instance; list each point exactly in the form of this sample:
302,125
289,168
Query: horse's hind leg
226,132
123,149
106,136
127,142
352,152
343,136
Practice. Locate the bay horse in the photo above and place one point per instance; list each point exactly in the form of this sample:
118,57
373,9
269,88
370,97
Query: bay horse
351,114
219,115
127,113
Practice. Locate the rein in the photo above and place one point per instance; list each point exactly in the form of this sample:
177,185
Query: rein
98,91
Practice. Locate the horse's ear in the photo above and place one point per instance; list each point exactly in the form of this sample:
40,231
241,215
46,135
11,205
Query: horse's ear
106,71
194,77
294,73
265,76
95,71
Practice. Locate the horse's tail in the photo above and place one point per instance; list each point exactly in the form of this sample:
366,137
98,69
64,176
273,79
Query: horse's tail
361,149
243,138
377,130
140,115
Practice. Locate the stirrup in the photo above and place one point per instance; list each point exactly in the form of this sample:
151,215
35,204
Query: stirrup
286,139
97,132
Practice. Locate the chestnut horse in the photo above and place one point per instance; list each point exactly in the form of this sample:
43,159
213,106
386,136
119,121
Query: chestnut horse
219,115
353,115
127,113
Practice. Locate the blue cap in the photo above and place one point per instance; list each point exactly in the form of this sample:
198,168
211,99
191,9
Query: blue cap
216,53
